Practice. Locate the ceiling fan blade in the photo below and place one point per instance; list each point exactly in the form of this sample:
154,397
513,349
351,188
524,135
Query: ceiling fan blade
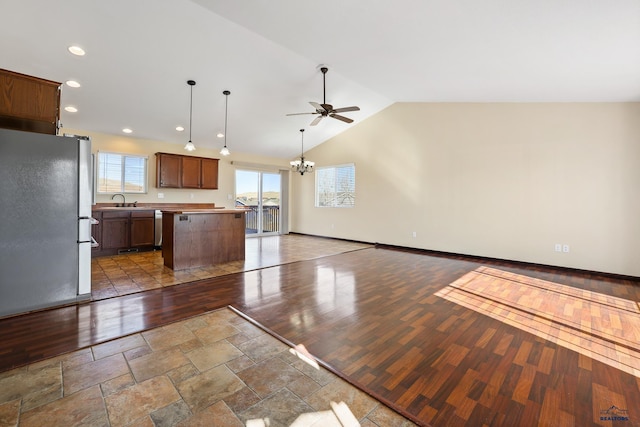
299,114
345,109
316,121
343,118
317,106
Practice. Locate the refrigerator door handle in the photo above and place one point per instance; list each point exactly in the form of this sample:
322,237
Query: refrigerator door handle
84,178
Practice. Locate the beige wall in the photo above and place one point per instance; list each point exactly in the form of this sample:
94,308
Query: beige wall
498,180
223,196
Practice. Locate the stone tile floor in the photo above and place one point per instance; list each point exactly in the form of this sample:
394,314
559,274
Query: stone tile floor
216,369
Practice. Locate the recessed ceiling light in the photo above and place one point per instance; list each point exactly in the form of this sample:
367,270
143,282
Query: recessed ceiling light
179,128
71,109
76,50
220,135
127,130
72,83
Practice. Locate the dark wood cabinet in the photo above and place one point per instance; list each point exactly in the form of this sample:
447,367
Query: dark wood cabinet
209,174
191,172
178,171
124,230
168,170
142,228
115,230
202,239
29,103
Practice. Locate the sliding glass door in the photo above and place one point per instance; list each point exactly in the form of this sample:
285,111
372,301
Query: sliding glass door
260,194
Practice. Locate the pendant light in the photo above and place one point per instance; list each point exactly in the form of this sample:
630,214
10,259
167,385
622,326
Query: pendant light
189,146
302,165
225,151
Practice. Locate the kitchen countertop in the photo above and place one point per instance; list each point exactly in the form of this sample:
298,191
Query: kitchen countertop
153,206
202,211
124,208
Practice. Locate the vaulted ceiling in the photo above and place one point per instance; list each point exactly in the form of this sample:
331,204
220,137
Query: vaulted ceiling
140,54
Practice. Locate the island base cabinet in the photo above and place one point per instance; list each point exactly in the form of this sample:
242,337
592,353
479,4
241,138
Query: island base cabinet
202,239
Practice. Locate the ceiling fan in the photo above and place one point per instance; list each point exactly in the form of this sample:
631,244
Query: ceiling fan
327,110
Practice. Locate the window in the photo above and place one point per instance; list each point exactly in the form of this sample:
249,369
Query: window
336,186
121,173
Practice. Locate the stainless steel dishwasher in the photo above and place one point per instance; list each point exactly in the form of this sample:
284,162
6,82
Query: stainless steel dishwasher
158,239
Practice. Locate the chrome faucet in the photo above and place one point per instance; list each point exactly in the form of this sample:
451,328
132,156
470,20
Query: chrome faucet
124,201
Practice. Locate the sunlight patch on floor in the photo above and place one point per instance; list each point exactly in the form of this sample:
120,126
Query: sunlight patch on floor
602,327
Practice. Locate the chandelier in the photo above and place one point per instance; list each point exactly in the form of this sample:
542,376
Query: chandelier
302,165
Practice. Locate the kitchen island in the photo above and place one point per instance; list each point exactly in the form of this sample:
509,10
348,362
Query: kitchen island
202,237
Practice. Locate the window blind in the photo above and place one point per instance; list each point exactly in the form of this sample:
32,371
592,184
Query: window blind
336,186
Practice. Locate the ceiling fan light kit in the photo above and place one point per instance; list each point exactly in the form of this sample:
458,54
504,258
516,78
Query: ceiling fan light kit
302,165
189,145
326,110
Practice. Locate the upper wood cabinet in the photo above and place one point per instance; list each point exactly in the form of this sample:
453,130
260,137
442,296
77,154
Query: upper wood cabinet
168,170
178,171
29,103
209,174
191,172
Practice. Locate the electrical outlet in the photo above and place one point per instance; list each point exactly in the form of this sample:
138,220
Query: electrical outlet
565,248
160,195
414,234
191,195
558,247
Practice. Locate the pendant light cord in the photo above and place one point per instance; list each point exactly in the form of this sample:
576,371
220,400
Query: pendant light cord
226,102
225,151
190,112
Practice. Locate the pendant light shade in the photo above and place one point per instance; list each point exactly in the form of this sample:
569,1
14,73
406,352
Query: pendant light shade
189,146
302,165
225,151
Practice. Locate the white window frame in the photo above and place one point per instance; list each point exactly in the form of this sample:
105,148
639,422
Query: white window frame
333,196
100,173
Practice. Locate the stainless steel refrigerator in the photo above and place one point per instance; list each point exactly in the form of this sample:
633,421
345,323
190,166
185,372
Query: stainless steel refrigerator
46,195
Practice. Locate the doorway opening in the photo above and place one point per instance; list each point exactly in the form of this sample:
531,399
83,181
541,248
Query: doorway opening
260,194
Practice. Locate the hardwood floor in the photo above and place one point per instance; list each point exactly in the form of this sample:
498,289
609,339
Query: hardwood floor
131,273
373,317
